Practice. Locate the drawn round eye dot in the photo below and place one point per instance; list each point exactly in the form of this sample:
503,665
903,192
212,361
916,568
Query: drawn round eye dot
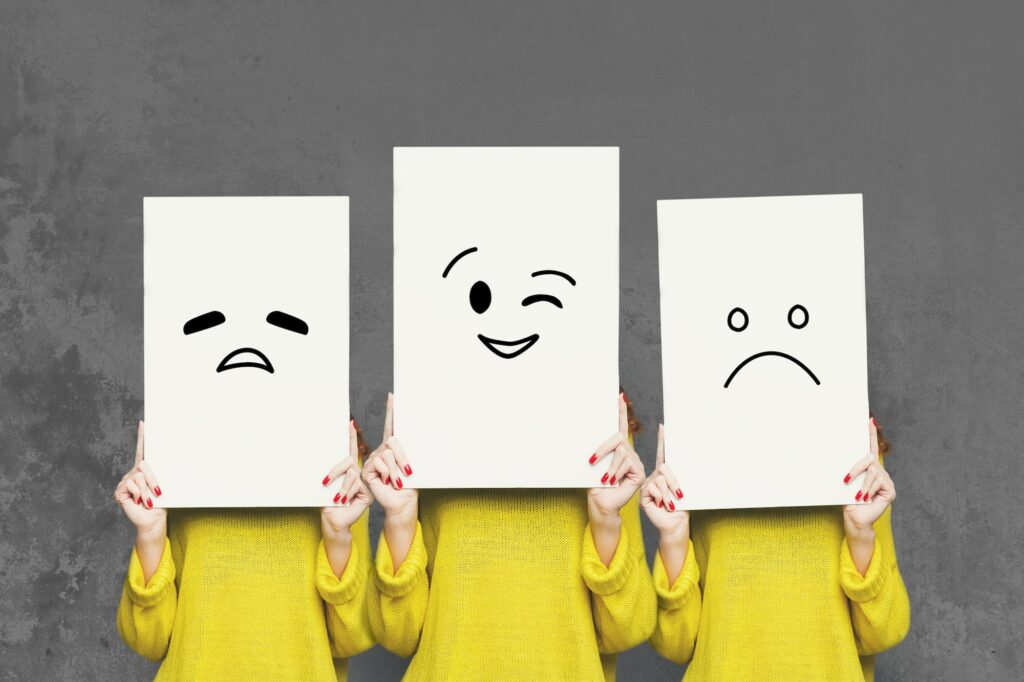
480,297
737,319
798,317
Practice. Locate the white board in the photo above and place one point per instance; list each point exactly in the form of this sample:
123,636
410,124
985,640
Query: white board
225,426
765,406
506,313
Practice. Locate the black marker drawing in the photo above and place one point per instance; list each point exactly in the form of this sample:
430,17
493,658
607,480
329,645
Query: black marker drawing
263,362
522,345
798,318
481,297
204,322
289,322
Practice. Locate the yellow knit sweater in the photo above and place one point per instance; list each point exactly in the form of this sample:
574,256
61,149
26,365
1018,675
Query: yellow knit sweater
507,584
248,594
773,594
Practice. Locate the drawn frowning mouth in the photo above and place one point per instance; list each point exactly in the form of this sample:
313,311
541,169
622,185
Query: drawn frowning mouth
250,357
766,353
516,348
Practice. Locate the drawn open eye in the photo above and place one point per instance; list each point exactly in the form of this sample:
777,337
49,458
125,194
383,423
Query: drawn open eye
542,298
480,297
798,317
737,319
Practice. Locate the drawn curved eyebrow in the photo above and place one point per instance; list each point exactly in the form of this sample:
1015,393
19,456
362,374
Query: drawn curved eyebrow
204,322
557,273
289,322
456,260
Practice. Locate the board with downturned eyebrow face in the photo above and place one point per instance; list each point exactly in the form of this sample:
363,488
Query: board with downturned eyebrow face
246,363
764,348
506,313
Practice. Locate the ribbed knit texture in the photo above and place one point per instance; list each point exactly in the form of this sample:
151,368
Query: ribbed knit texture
773,594
507,584
248,594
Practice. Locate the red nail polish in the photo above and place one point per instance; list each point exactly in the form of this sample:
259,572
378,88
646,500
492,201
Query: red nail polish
604,479
593,458
138,501
874,423
612,481
355,424
865,497
679,493
336,498
398,482
671,505
661,504
387,481
157,491
408,470
344,500
625,397
846,479
149,502
327,479
859,493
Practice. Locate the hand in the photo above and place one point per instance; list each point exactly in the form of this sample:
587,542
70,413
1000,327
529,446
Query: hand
877,489
658,496
384,469
135,493
624,474
352,497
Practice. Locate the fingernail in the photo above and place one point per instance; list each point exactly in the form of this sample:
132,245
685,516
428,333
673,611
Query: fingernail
661,504
671,505
625,397
149,502
138,501
612,481
408,470
859,493
157,491
355,424
679,493
327,479
398,482
604,479
387,481
593,458
873,422
866,496
336,498
344,500
846,479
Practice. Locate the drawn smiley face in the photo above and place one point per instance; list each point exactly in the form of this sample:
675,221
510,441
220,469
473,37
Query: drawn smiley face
245,357
481,297
738,320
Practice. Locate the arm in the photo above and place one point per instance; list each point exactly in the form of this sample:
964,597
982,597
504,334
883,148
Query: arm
149,598
879,605
397,599
622,593
145,615
676,571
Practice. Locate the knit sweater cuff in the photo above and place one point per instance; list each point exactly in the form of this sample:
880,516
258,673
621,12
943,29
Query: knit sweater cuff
335,590
601,579
862,588
399,583
687,583
160,584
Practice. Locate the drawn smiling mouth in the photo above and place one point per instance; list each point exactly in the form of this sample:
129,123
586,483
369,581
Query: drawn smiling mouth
249,357
776,353
518,347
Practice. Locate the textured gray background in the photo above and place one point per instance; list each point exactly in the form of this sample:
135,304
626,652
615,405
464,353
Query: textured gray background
920,106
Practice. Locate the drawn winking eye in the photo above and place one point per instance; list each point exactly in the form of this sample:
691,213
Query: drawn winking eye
542,298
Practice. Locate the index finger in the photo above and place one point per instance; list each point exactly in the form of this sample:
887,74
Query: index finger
873,430
140,444
389,418
353,440
623,415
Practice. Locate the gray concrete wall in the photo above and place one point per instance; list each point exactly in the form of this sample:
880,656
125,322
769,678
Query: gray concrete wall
920,106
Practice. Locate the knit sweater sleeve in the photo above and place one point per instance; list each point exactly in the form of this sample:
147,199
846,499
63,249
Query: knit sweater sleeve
397,600
622,593
145,614
879,605
345,597
679,605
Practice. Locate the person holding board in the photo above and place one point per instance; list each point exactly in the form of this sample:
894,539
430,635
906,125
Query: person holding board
247,593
